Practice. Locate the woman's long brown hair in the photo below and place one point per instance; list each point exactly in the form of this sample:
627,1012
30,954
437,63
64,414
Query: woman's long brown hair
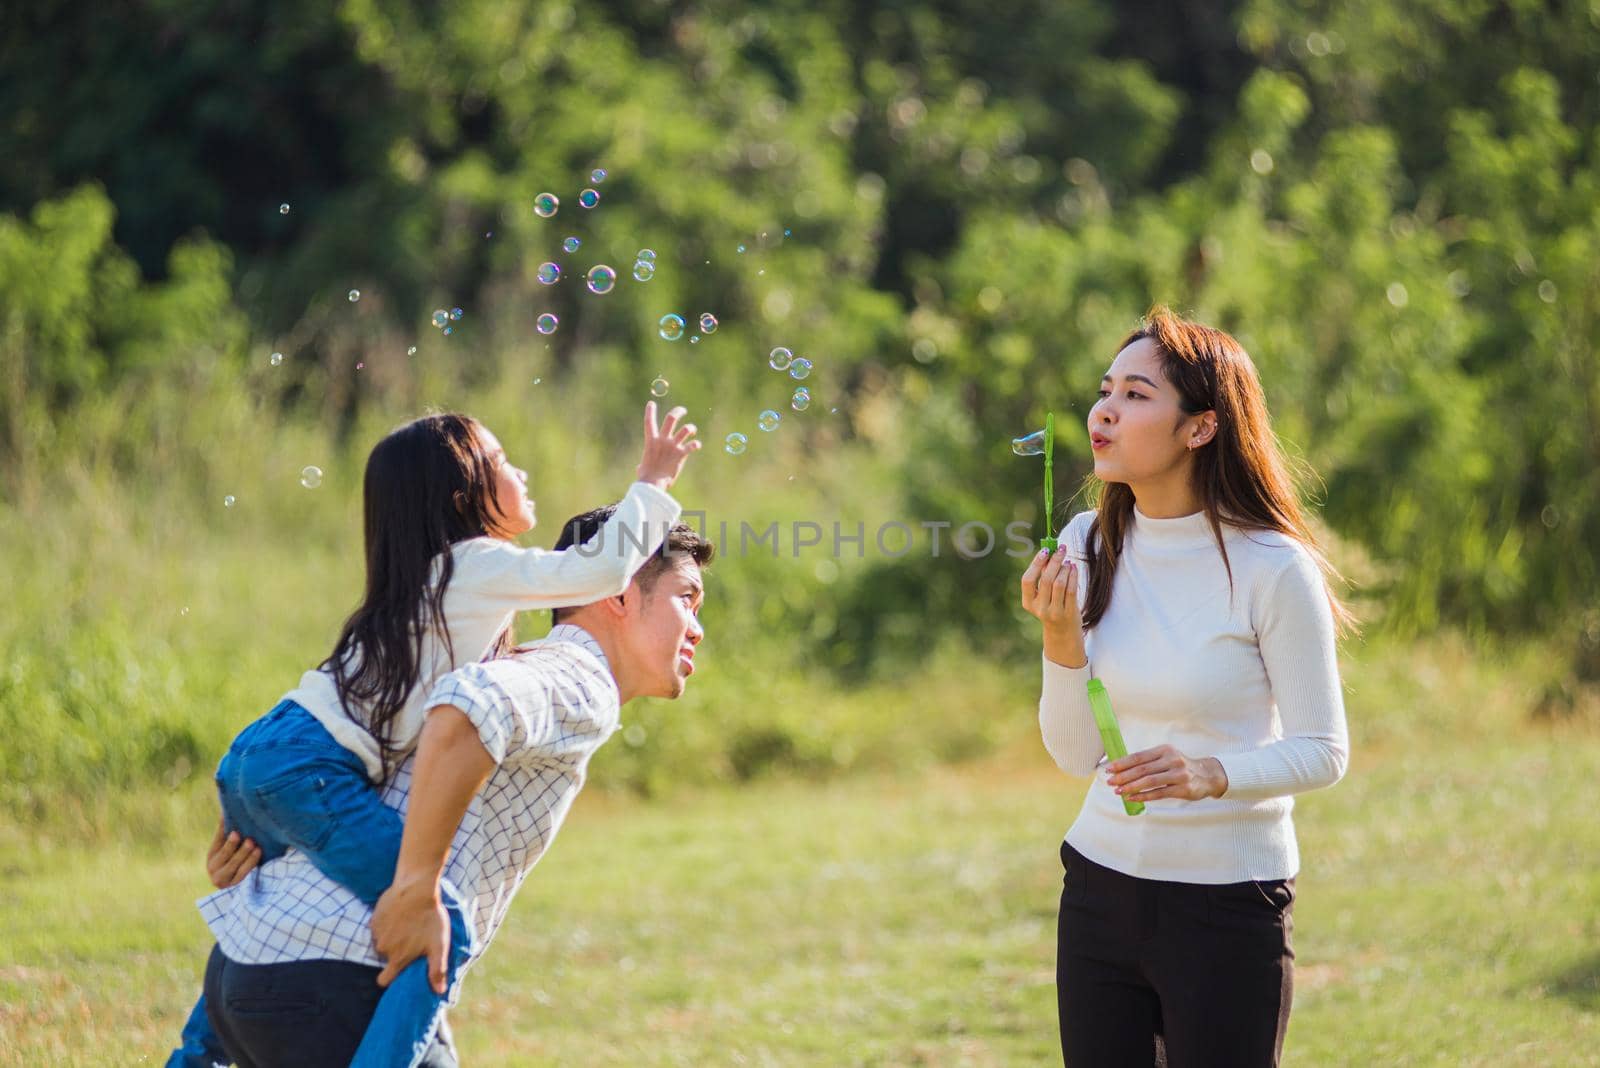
1240,474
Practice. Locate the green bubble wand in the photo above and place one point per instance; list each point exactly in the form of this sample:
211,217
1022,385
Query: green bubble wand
1043,443
1105,721
1049,539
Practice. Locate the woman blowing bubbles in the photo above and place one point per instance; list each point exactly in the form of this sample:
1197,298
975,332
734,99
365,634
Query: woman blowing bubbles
1195,592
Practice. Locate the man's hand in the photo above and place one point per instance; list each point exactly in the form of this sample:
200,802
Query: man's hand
665,448
410,922
230,858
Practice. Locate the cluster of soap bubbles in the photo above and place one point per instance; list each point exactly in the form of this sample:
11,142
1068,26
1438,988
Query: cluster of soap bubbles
671,326
442,319
780,358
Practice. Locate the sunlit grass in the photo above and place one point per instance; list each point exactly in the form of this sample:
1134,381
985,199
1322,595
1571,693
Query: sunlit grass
1446,910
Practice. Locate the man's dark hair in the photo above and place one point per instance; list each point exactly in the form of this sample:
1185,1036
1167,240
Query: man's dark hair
682,540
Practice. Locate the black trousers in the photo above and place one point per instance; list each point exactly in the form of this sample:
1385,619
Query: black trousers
1173,975
302,1014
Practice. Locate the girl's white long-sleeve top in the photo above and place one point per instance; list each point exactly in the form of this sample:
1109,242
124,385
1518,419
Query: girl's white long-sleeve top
1250,677
491,581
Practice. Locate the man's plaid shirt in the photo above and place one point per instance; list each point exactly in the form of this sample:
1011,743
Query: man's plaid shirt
541,714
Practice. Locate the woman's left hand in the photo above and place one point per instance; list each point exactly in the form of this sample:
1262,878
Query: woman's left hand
1152,774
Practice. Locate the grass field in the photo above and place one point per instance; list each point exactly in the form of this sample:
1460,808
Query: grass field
1448,914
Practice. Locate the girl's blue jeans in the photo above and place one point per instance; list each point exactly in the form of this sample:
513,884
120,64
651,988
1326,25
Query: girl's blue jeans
287,784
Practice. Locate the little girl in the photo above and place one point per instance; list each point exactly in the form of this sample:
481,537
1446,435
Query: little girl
444,581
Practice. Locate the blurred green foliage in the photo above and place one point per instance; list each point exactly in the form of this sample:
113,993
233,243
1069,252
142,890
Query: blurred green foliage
955,209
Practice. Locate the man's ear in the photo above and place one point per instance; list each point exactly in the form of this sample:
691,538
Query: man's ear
618,606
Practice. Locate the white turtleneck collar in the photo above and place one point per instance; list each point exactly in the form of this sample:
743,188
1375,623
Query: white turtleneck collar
1181,532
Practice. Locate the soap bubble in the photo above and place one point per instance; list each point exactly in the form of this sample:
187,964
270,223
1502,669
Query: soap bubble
801,399
545,205
643,272
549,273
441,318
447,330
228,501
786,233
800,368
1029,444
780,358
597,175
310,476
646,256
601,278
695,340
412,351
571,244
736,443
658,388
283,209
546,323
589,198
768,420
360,366
456,314
708,323
671,327
275,359
355,295
741,248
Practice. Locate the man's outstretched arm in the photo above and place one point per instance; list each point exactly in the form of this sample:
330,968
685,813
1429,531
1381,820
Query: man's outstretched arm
409,921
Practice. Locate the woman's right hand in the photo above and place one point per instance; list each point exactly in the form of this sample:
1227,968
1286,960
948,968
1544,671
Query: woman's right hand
1050,595
665,448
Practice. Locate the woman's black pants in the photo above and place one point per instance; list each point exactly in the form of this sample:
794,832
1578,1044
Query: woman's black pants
1180,975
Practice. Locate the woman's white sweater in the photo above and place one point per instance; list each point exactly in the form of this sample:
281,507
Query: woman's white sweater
1250,678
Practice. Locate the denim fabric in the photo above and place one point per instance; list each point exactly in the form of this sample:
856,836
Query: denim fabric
287,784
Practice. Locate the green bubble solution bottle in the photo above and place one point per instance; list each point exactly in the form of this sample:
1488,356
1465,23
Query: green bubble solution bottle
1110,734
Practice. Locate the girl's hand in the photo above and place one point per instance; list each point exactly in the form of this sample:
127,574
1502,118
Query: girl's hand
666,448
1152,774
230,858
1050,594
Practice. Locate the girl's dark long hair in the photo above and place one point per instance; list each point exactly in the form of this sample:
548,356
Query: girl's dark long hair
429,484
1240,474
